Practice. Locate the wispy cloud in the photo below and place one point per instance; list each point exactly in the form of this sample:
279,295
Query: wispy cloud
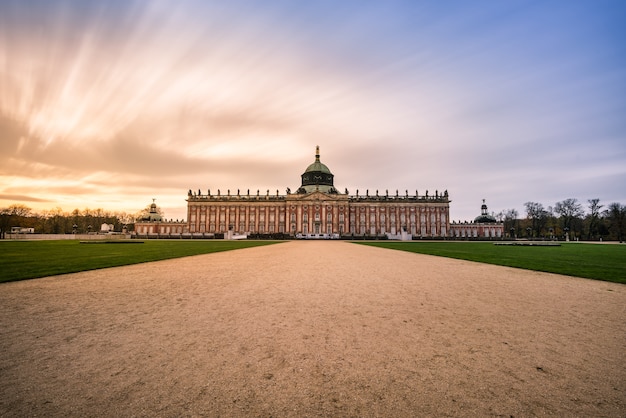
121,101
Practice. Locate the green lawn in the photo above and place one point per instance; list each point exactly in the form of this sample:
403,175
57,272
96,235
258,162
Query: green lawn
594,261
21,260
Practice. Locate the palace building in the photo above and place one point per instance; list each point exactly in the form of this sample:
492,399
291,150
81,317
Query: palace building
153,224
484,226
317,209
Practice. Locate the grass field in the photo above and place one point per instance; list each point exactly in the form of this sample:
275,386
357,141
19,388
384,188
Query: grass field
594,261
21,260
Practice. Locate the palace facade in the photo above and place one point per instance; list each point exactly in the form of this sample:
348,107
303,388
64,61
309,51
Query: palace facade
317,208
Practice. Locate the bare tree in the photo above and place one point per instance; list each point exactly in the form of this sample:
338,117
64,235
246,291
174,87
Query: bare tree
616,214
5,221
58,220
20,210
594,216
537,215
510,219
569,210
124,218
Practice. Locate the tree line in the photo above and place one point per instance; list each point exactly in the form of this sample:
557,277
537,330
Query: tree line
57,221
568,218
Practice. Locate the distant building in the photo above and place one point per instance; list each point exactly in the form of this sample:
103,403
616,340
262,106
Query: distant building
154,224
22,230
317,209
484,226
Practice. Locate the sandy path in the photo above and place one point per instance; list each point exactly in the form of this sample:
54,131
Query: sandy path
312,329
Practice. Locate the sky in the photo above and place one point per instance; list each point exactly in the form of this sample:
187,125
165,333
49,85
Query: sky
111,104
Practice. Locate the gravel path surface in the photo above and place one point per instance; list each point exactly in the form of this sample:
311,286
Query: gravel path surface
312,329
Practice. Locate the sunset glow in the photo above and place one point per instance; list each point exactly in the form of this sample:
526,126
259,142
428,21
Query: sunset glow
111,104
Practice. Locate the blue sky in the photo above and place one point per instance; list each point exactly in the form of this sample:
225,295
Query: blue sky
111,104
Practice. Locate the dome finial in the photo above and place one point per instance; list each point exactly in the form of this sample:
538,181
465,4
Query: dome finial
317,154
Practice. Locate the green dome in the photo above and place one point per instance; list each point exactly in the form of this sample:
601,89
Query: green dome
153,215
318,167
484,216
317,177
484,219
